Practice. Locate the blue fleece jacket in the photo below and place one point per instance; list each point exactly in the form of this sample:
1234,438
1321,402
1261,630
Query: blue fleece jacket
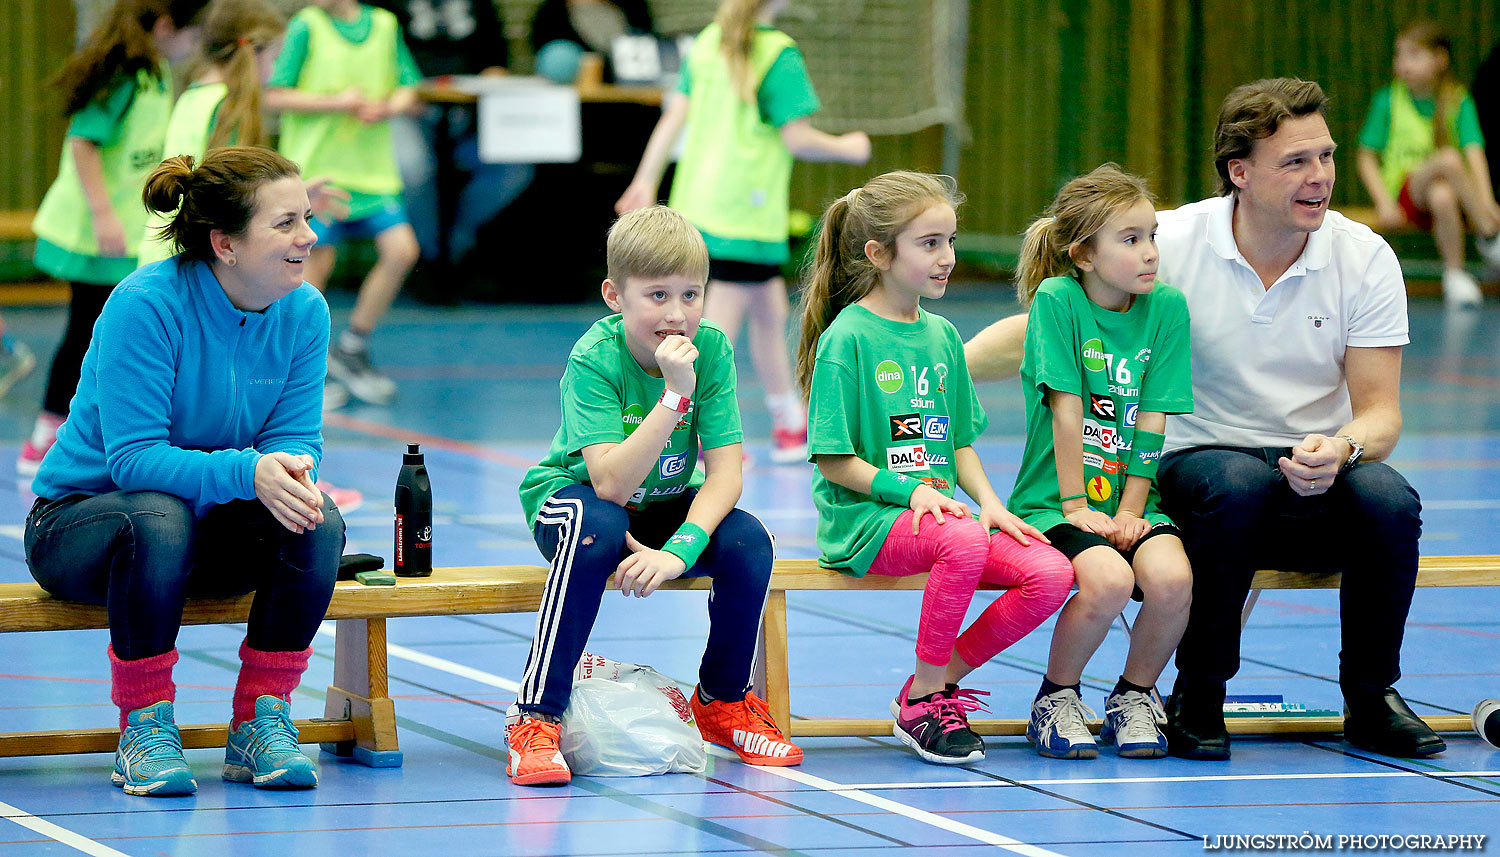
182,393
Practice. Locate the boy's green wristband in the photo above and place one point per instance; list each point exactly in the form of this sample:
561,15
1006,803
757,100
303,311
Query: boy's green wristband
687,544
1071,497
1145,454
893,488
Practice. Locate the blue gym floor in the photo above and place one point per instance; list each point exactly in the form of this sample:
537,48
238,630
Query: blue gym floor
479,390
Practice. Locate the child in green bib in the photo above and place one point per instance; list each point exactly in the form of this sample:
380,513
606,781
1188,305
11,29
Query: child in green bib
745,99
343,72
892,418
1106,360
222,104
619,493
117,92
1421,158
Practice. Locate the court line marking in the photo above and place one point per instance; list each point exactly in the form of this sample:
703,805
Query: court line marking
919,815
1338,775
63,835
931,819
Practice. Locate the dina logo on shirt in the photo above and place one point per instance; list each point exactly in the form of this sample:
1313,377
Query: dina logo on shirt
1094,358
888,376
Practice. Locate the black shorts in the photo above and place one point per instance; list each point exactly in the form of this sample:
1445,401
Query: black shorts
742,273
1073,541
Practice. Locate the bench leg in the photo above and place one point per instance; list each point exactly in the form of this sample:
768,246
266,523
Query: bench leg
773,630
359,694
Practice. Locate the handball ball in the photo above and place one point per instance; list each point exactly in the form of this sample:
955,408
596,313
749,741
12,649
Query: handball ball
558,60
1487,721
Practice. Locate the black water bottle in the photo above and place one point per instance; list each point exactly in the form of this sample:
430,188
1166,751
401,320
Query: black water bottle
413,516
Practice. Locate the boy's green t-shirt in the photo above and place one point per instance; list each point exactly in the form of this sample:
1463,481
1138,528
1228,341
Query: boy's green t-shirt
606,395
1119,363
899,396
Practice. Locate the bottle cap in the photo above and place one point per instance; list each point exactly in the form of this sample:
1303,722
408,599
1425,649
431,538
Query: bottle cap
413,454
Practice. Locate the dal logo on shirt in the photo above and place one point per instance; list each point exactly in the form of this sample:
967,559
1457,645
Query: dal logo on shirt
888,376
935,428
904,459
1102,437
673,465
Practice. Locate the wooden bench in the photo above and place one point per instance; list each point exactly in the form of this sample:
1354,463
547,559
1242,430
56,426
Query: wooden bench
801,575
360,718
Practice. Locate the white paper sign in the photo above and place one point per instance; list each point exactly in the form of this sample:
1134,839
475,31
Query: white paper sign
529,121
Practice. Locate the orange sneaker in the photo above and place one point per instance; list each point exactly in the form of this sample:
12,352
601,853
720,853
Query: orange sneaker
535,756
746,728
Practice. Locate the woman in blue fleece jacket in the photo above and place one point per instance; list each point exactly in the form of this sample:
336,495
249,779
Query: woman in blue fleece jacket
187,463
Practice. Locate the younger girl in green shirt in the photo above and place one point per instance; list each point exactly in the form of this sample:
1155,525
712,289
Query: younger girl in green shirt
1106,360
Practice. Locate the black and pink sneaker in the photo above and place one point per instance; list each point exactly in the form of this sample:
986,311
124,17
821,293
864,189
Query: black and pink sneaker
937,726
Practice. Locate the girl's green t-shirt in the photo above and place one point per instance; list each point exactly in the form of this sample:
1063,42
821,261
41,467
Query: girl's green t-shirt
899,396
1118,363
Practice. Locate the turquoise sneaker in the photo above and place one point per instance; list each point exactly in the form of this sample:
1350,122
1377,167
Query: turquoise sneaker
149,760
264,751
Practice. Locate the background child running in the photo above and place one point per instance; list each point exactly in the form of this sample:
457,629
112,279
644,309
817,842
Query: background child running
1106,360
118,91
892,419
1421,158
745,97
342,74
616,495
221,105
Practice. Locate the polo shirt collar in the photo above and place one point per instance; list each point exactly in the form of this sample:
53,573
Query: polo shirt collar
1316,255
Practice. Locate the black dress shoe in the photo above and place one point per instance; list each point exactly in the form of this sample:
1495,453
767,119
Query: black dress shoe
1195,722
1381,723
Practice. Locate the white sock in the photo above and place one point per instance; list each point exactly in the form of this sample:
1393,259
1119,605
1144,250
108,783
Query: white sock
353,341
786,410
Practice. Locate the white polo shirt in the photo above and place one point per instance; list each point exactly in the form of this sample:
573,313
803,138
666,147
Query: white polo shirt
1268,364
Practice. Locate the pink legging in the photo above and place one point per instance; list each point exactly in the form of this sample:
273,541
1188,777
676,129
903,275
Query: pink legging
960,554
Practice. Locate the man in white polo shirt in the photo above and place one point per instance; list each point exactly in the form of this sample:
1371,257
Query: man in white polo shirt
1298,318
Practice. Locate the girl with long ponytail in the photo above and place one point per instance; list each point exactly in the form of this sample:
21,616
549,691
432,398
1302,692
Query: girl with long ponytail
892,418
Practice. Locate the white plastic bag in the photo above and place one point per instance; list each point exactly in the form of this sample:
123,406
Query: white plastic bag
628,720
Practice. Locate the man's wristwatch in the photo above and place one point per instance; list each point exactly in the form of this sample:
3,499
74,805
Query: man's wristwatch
1357,451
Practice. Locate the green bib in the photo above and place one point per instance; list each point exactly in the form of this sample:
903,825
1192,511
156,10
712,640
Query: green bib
187,134
63,219
735,171
355,155
1411,138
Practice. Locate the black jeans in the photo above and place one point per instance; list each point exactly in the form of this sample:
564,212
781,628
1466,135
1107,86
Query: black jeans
142,554
1237,515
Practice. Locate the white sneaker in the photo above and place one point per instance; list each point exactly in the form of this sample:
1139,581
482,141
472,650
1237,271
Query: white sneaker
1461,289
1132,722
1058,728
354,370
1489,250
335,395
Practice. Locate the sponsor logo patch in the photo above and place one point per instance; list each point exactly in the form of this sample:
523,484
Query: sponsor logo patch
1094,460
935,428
906,427
937,459
888,376
937,483
673,465
1130,413
1097,435
1099,489
1093,355
903,459
1102,407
